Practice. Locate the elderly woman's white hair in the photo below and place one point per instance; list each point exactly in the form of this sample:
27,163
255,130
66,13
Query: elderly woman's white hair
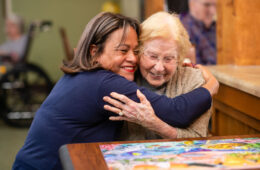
18,21
168,26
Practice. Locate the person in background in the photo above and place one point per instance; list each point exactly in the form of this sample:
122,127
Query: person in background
201,26
14,47
162,49
104,62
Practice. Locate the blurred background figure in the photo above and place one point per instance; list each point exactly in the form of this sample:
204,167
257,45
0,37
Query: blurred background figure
13,49
201,26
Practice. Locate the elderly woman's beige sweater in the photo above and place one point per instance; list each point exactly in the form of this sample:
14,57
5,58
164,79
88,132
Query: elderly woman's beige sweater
184,80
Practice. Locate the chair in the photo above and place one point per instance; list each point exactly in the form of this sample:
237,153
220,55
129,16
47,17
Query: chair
66,46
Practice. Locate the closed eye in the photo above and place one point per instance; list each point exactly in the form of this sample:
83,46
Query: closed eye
124,51
154,57
136,52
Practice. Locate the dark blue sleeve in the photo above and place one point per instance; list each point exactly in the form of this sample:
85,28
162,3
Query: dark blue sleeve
179,111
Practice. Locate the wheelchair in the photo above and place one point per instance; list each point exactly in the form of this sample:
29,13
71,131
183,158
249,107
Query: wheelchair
24,86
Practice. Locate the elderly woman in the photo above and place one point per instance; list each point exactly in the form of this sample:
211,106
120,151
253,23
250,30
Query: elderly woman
14,47
162,49
105,62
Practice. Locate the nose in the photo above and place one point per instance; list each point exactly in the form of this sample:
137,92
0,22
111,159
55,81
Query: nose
159,66
212,9
132,57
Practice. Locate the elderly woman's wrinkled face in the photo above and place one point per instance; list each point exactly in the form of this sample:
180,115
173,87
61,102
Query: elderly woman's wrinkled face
158,61
120,57
12,29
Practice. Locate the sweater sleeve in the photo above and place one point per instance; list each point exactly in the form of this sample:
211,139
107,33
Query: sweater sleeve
198,128
179,111
189,79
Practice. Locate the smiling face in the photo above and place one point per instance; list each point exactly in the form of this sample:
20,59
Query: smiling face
158,61
120,57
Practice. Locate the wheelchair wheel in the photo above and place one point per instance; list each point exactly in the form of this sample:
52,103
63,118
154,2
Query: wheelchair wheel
23,89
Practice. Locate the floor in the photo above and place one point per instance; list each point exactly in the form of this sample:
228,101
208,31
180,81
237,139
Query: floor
11,140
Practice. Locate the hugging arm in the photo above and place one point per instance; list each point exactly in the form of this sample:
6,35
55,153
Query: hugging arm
143,114
212,83
179,111
140,113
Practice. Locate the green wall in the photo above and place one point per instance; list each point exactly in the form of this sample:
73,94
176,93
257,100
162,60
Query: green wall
131,8
73,15
1,23
47,50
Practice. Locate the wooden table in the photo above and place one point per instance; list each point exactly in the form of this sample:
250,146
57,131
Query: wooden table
88,155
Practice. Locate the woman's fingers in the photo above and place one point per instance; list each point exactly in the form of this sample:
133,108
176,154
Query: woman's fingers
112,109
189,65
121,97
206,74
120,118
142,97
211,83
125,114
113,102
117,105
116,118
130,110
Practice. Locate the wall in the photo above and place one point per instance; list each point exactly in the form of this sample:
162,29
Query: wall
238,32
1,23
47,50
131,8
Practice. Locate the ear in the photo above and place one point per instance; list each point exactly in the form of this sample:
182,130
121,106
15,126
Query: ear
93,50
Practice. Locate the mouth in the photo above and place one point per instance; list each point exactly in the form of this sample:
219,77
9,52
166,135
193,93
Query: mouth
156,76
129,69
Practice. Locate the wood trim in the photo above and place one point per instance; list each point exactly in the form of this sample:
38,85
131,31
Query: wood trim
88,152
237,32
214,129
152,6
237,115
241,101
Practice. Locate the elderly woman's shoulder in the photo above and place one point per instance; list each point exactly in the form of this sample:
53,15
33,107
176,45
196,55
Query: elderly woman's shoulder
190,71
190,75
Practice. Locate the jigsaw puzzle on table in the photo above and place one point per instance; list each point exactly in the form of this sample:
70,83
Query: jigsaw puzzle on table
236,153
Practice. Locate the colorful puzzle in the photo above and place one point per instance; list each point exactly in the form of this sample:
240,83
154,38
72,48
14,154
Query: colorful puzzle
238,153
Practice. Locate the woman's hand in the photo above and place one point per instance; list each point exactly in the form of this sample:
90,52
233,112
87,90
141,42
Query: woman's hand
140,113
211,83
